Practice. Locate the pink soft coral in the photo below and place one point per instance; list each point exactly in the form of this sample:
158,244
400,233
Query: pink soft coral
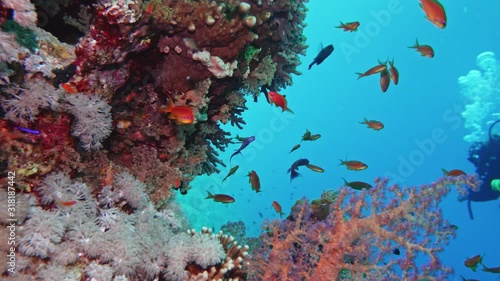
357,239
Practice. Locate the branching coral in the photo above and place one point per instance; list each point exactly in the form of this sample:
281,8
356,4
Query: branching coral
231,110
262,75
210,166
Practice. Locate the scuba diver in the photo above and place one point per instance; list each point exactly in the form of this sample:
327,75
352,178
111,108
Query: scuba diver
486,158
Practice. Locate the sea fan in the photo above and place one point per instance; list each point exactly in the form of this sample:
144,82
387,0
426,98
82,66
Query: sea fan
92,119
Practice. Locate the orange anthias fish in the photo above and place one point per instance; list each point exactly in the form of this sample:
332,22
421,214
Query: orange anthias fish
384,80
177,183
277,208
181,114
223,198
354,165
434,12
374,70
66,203
424,50
254,181
373,124
70,88
453,173
350,26
394,73
149,9
278,100
473,262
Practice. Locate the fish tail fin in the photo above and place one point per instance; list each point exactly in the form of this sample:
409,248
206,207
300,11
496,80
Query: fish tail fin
360,75
289,110
281,215
342,162
293,174
209,195
415,46
469,208
312,63
168,108
345,182
365,121
391,63
170,105
383,63
341,25
445,171
230,158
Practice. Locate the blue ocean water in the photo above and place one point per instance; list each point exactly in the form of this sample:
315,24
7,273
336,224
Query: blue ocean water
424,107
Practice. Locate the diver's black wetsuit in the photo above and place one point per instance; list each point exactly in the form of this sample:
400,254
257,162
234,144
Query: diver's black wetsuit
486,158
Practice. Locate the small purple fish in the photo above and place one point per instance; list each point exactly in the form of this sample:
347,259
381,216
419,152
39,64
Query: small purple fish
244,144
29,131
295,166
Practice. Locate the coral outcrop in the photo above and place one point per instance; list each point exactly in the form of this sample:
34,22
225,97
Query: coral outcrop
135,57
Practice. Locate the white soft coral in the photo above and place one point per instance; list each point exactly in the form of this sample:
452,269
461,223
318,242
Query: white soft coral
24,12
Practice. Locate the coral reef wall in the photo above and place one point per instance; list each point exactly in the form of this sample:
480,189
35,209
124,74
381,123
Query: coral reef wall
108,107
118,96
